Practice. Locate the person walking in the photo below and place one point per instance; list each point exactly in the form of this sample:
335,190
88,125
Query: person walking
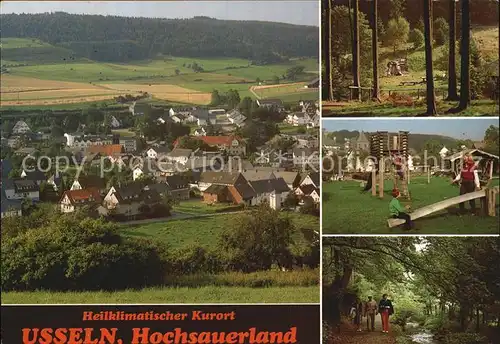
469,182
385,309
370,312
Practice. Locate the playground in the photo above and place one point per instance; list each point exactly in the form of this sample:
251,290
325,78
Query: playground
430,196
347,210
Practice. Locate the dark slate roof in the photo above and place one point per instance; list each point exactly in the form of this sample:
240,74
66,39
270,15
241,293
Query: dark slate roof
35,175
315,178
23,185
129,191
269,185
176,182
88,181
200,113
161,188
245,190
178,152
228,178
308,189
215,189
6,167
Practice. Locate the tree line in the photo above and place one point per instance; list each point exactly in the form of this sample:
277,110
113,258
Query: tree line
113,38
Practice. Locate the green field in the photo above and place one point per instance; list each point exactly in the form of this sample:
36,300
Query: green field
346,210
170,295
196,207
216,70
203,231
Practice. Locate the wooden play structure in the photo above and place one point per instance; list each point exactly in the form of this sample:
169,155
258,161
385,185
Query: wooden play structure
487,195
386,148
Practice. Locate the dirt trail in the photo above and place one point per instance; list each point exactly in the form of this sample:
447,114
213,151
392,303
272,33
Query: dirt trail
349,335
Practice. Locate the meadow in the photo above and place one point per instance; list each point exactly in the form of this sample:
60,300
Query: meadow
346,210
204,231
200,295
39,81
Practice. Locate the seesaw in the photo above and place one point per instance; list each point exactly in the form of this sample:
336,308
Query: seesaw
488,194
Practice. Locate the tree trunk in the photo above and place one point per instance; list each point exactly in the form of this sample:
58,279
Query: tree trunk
465,54
328,55
429,71
355,52
477,320
376,90
452,69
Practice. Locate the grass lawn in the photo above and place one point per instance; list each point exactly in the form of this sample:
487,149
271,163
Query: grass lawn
171,295
368,109
348,211
286,128
123,132
198,207
204,231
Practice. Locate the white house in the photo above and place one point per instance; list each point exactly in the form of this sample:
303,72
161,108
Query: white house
11,207
236,118
73,199
200,132
21,127
157,152
114,123
180,155
298,118
311,179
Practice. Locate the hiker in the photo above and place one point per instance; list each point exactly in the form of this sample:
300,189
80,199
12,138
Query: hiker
370,312
469,182
398,212
356,314
385,309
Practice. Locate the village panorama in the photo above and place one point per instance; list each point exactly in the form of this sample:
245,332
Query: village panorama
129,171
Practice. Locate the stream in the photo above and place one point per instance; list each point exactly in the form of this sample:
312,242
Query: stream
420,336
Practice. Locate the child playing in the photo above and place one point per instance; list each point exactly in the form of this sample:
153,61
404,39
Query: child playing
398,212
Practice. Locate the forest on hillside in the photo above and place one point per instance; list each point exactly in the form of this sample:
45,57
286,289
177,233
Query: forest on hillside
113,38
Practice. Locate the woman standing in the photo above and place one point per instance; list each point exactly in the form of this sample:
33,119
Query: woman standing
385,309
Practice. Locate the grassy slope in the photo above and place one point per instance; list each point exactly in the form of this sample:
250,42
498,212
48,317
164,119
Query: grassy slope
218,70
202,231
171,295
477,108
487,40
347,210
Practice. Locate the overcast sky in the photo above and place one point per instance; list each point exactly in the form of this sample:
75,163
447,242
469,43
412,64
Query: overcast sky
304,12
460,128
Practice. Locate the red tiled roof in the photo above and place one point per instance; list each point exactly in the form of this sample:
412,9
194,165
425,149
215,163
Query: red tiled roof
106,150
86,195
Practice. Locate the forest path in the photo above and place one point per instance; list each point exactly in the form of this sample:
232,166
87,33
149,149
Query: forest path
349,335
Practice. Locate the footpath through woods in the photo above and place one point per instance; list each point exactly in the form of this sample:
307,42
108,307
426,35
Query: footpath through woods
349,334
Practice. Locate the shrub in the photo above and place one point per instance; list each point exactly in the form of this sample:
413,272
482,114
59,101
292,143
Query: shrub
417,38
441,30
465,338
78,254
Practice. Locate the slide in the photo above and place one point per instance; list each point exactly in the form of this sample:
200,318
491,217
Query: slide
438,206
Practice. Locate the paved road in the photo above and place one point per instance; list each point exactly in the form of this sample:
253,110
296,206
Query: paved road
175,216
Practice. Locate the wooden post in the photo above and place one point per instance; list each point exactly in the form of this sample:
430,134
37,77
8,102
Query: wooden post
492,162
381,173
491,201
428,174
374,181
